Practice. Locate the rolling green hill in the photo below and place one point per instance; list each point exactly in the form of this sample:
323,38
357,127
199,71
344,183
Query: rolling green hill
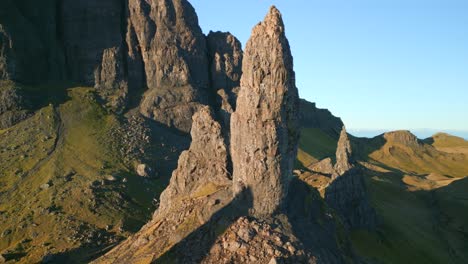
418,189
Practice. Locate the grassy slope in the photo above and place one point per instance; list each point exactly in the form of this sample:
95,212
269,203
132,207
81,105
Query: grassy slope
68,149
315,145
416,226
448,143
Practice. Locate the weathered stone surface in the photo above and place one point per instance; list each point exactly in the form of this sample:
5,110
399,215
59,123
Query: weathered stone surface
344,155
143,170
253,241
264,128
225,56
203,166
173,50
110,78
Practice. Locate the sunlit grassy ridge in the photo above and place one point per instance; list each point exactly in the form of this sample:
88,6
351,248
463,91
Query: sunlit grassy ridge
448,143
423,212
64,185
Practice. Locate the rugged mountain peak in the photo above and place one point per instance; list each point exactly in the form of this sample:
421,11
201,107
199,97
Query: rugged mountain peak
264,127
344,155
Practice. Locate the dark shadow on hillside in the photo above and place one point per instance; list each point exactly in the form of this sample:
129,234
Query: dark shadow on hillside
54,93
314,225
200,241
83,254
166,145
363,147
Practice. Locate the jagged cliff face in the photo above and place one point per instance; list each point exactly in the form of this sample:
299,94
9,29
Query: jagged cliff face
117,46
175,61
266,111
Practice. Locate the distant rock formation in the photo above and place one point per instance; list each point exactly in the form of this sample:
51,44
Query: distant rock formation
344,154
264,128
403,137
347,192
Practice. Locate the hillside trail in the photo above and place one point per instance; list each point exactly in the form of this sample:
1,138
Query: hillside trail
58,143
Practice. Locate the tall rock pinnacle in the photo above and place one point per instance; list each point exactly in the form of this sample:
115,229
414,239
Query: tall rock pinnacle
344,159
264,127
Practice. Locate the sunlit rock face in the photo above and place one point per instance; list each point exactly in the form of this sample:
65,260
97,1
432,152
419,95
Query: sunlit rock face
264,127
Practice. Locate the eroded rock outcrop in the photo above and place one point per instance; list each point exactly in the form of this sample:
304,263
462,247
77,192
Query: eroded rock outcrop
120,47
174,53
199,188
264,127
347,192
204,167
344,154
225,56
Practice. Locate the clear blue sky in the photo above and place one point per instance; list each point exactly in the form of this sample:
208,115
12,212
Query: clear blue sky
377,64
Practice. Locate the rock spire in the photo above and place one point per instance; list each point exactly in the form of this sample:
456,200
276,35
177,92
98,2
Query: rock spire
264,127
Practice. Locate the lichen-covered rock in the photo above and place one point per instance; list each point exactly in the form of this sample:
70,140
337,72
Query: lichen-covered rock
264,127
344,154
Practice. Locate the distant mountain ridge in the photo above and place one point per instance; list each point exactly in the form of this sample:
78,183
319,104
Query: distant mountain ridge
420,133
